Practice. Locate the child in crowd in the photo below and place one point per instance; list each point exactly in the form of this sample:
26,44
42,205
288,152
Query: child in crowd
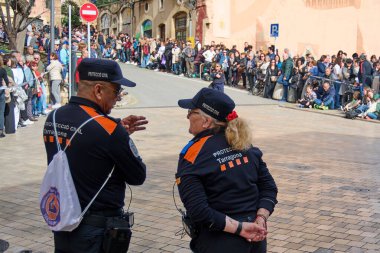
308,99
355,102
218,78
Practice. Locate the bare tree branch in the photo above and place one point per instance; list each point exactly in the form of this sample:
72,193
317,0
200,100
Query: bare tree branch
30,21
8,13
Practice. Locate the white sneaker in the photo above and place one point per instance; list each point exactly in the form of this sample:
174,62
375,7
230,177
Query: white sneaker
56,106
181,75
28,122
128,62
156,69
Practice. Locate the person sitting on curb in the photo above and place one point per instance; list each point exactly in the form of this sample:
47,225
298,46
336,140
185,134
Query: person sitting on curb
325,96
355,102
308,99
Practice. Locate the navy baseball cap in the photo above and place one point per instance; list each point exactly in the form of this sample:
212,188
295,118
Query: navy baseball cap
212,102
93,69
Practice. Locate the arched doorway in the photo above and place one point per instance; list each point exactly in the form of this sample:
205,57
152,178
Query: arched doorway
105,24
161,31
180,21
146,28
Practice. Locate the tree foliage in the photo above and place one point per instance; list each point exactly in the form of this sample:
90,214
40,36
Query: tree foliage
17,24
75,16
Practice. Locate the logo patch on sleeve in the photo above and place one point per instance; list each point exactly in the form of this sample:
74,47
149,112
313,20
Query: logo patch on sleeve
133,148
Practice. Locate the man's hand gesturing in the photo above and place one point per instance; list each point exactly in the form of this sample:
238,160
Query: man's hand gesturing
134,123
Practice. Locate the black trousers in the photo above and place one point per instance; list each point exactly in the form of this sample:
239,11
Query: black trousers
222,242
85,238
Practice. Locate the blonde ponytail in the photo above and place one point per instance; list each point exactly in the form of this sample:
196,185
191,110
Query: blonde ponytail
238,134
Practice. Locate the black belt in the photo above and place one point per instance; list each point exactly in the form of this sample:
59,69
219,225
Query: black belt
99,218
106,213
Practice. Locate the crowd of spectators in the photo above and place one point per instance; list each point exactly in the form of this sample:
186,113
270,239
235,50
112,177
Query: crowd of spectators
350,84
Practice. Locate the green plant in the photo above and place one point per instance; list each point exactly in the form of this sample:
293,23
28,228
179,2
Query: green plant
75,16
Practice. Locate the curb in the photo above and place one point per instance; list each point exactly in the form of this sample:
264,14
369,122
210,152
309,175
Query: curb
325,113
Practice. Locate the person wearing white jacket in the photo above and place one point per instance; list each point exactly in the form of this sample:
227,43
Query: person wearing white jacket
54,69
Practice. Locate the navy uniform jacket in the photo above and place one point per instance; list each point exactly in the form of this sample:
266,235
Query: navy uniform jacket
95,149
215,181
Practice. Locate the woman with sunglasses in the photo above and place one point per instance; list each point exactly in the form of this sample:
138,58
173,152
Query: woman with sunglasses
270,81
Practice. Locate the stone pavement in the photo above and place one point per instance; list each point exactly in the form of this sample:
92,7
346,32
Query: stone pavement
326,168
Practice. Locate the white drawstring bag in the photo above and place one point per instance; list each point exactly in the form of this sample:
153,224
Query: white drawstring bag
59,203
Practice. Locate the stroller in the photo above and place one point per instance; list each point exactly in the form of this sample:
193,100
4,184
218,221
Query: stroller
205,75
258,88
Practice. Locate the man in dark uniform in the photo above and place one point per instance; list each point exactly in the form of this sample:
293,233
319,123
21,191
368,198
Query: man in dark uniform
223,182
102,144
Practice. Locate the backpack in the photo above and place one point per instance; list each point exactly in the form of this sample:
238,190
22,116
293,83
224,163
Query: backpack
352,114
59,202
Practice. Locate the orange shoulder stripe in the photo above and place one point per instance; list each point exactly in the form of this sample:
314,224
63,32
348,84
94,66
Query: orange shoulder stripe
193,151
106,123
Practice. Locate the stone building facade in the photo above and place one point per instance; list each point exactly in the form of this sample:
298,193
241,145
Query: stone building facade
150,18
316,26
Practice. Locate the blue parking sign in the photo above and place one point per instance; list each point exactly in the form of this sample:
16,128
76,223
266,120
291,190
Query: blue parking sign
274,30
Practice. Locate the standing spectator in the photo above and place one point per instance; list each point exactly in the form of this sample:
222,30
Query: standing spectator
365,71
218,78
128,50
271,79
271,53
189,54
168,55
373,60
278,61
209,55
118,47
64,58
28,86
93,50
197,46
337,76
19,103
223,61
4,82
54,69
176,51
321,64
286,72
146,54
101,41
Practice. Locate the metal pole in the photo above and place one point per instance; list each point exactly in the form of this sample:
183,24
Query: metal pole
69,72
132,14
190,25
88,40
52,17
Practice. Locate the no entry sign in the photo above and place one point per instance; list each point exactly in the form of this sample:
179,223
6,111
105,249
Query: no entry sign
89,12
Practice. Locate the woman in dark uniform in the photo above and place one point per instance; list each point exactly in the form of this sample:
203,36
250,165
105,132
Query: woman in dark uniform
223,182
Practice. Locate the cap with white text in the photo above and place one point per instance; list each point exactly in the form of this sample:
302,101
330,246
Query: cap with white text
212,102
93,69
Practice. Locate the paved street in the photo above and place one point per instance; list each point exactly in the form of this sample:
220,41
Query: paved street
326,168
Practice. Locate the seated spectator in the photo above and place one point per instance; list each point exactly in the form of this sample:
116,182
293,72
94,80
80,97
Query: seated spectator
308,98
367,102
325,96
354,103
153,61
107,53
